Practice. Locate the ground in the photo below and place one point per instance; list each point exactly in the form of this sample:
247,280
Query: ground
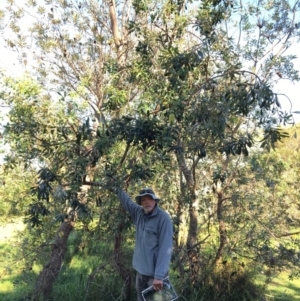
7,230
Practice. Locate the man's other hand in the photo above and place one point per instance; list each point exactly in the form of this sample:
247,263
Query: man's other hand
157,284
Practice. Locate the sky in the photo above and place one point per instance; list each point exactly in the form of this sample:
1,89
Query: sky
292,90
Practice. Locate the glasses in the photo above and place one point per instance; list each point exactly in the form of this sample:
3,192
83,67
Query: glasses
146,191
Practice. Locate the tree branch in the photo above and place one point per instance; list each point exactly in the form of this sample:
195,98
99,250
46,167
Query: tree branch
184,168
114,23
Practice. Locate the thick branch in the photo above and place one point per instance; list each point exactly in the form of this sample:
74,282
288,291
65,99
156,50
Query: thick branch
185,170
114,23
48,275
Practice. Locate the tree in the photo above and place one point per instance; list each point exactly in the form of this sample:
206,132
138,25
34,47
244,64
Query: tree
168,83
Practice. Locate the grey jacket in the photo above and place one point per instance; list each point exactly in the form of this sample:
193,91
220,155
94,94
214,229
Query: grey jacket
153,238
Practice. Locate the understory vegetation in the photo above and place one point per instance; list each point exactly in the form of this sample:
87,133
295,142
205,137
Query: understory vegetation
89,274
176,95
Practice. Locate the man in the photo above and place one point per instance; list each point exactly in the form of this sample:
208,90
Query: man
153,245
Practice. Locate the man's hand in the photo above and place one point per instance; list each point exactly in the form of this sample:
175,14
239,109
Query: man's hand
157,284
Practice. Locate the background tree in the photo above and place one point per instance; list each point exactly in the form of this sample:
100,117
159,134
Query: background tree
138,90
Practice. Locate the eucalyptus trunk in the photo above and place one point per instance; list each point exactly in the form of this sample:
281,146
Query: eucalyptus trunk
222,225
119,261
193,246
193,251
47,277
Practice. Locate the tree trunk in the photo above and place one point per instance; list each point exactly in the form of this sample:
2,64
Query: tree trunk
47,276
119,259
192,244
223,238
222,226
182,215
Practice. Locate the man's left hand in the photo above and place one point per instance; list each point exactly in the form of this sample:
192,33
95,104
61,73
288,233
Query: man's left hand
157,284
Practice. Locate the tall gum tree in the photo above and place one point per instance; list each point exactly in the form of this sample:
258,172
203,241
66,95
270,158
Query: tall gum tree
208,100
192,79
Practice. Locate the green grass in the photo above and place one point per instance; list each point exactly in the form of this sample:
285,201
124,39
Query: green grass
11,273
75,282
13,279
281,288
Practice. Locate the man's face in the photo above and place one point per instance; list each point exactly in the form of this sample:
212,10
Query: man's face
147,203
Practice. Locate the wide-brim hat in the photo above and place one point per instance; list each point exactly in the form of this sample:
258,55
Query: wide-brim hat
146,191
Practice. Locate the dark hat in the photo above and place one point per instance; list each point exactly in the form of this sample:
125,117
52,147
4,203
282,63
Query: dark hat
146,191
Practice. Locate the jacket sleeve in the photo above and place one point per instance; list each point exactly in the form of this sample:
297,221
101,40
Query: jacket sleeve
165,248
132,208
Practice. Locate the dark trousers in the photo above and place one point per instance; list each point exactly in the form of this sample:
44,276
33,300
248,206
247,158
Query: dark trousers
141,283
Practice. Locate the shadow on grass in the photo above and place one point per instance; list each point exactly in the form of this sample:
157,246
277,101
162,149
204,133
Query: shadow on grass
80,278
285,290
72,284
75,283
14,287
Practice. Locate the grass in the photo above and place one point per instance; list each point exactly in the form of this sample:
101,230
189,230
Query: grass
75,283
281,288
11,275
14,278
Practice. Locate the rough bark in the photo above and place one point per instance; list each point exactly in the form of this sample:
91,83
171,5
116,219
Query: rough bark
47,276
192,241
194,204
222,226
121,266
193,247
